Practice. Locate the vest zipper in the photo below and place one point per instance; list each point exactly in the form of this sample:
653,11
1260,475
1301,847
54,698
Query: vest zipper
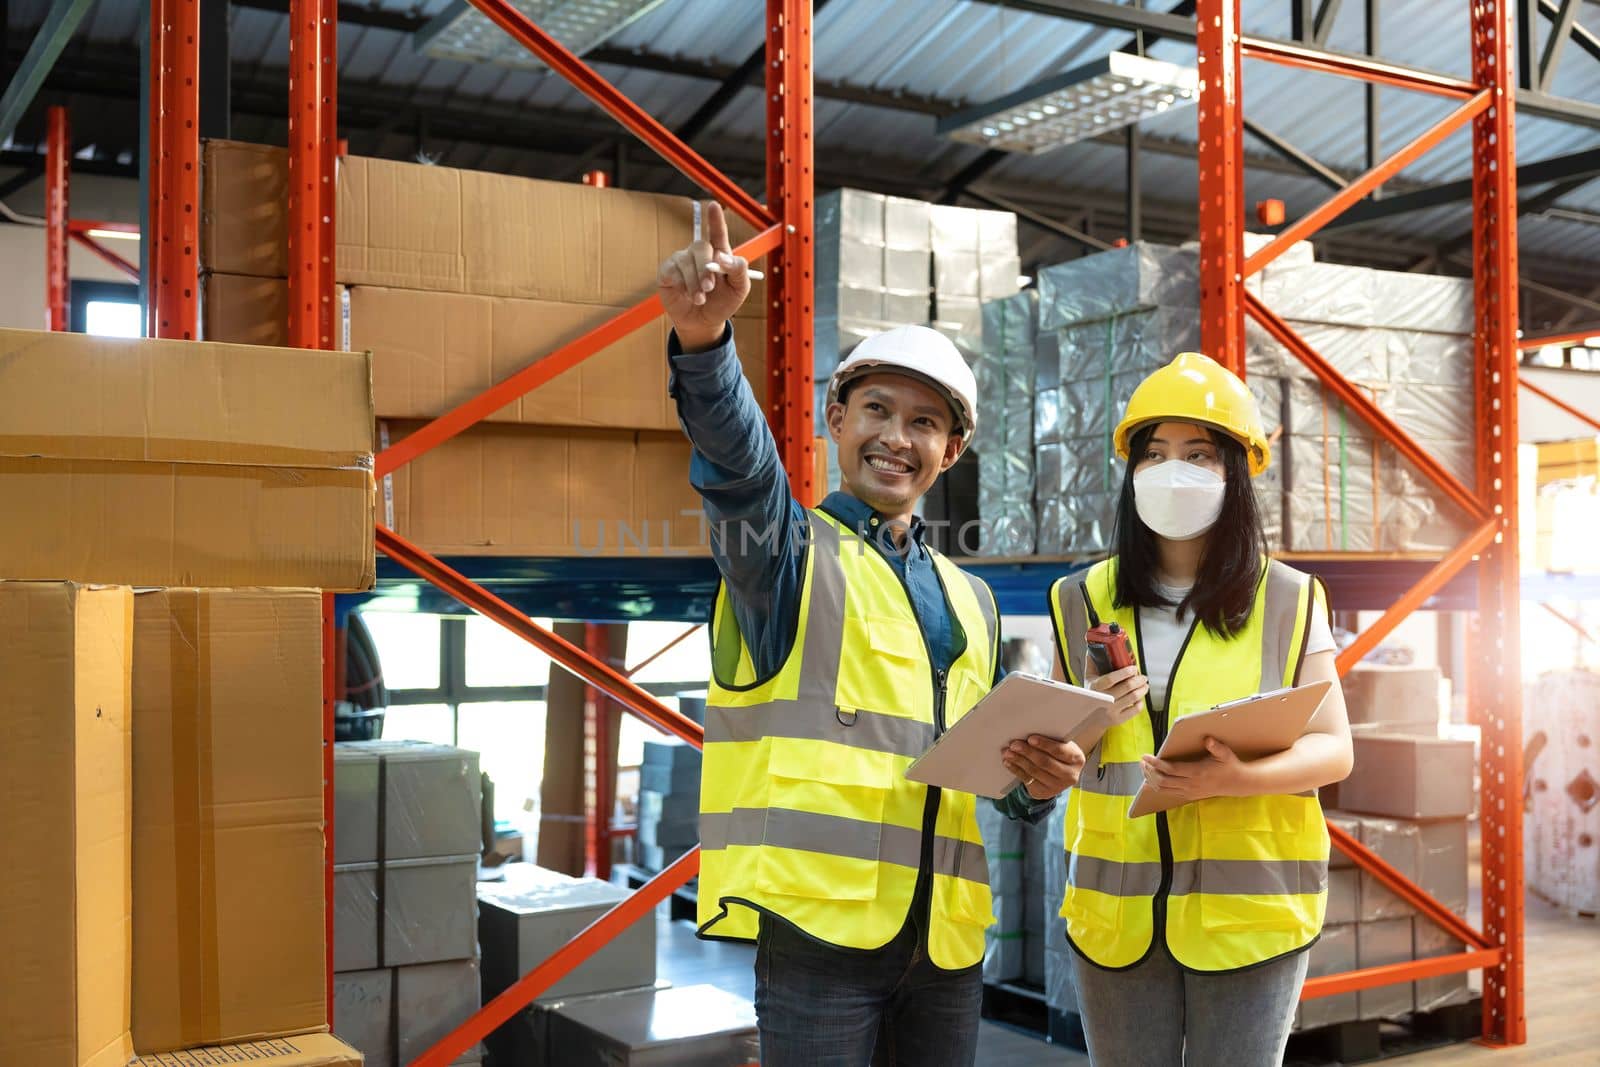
1158,727
930,806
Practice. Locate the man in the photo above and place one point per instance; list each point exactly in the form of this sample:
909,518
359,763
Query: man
842,645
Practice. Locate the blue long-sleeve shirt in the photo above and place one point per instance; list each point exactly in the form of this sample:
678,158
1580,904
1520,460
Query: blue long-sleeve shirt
754,522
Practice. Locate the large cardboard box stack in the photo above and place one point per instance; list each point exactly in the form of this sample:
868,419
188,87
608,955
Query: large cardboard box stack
1369,925
161,463
227,828
1562,824
65,903
524,919
456,280
407,834
177,889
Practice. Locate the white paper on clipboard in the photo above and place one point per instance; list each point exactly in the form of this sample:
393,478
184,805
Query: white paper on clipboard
967,756
1254,727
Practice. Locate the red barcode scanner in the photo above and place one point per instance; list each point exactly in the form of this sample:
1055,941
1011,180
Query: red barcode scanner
1109,648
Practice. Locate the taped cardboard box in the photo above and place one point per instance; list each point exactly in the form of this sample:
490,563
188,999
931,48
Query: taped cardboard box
1410,777
306,1050
413,226
535,491
64,903
228,845
434,351
1376,692
169,463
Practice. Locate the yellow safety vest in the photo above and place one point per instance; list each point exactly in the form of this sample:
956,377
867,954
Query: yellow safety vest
1230,881
805,811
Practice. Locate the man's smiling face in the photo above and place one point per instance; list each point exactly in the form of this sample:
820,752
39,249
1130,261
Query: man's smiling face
896,434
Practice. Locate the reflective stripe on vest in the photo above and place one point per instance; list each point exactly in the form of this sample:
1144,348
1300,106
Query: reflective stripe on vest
805,810
1246,877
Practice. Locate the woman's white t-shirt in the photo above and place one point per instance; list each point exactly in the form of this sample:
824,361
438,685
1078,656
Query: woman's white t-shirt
1162,634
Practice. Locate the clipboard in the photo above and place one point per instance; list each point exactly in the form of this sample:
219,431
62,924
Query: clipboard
967,756
1262,725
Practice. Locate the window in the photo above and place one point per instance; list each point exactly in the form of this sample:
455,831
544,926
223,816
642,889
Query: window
408,648
497,657
106,309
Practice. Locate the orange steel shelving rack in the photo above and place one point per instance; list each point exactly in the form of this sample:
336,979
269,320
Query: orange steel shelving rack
784,235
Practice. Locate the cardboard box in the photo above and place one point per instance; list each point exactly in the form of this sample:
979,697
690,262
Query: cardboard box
1378,943
434,351
525,919
185,463
1396,842
1429,941
534,491
363,1013
431,801
412,226
1442,862
306,1050
1333,953
431,1000
357,919
1410,777
686,1026
65,656
228,846
1380,693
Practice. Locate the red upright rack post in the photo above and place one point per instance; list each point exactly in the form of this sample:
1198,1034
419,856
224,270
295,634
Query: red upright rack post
173,285
790,286
1490,505
313,148
1221,161
1495,686
57,161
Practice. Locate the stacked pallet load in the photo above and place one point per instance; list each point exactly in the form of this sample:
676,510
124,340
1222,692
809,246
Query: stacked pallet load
407,835
1408,799
456,280
1004,442
886,261
165,852
1105,321
669,802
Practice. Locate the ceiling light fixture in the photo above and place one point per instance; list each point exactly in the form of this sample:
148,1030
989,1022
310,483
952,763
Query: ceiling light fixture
463,32
1114,91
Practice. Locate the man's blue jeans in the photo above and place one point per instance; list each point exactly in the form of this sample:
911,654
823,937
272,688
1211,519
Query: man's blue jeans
820,1005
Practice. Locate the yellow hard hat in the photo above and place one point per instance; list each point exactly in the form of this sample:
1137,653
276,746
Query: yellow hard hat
1196,388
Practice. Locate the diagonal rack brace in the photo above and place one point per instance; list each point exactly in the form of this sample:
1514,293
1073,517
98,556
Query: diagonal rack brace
631,115
1363,406
497,396
533,984
600,675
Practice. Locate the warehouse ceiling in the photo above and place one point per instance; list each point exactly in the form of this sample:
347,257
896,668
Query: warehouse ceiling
886,71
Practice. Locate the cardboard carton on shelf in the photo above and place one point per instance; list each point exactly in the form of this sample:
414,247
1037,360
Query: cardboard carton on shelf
65,655
501,490
1380,693
1410,777
304,1050
228,845
440,229
434,351
170,463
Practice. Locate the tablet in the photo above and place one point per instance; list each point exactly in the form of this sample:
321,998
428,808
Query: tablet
967,756
1254,727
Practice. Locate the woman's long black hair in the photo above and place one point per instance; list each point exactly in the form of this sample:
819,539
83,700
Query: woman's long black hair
1230,568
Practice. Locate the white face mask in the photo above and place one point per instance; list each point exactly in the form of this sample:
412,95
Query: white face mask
1178,500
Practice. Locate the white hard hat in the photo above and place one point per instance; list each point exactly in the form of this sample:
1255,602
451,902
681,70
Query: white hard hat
921,353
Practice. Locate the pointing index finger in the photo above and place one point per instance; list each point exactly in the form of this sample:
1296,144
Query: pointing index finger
717,228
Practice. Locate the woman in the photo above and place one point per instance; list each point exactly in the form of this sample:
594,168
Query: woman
1189,927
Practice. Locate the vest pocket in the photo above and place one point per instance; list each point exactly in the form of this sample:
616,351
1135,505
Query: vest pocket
824,822
1096,869
1245,870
